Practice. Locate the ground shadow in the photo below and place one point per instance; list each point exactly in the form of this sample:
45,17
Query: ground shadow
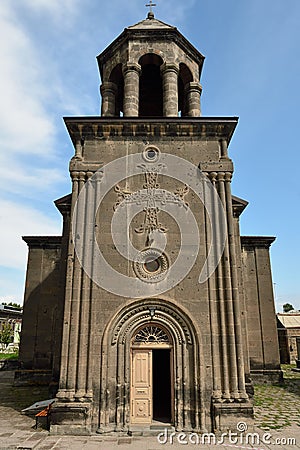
18,398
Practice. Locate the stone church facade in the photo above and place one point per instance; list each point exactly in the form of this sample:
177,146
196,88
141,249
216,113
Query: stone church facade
143,341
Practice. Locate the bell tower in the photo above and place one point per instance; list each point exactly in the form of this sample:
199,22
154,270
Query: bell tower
150,70
157,280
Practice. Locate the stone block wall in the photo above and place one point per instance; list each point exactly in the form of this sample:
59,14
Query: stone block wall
260,308
43,305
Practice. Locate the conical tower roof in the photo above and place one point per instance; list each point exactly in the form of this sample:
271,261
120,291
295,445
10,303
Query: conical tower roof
150,30
151,23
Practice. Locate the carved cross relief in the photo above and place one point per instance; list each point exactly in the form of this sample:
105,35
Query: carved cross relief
153,197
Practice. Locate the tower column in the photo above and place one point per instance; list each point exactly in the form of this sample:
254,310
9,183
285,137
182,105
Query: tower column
193,92
108,91
170,90
131,89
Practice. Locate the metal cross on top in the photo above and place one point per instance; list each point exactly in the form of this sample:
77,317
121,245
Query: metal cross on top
150,5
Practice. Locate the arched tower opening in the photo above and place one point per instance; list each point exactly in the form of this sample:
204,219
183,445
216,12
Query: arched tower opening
151,86
117,78
112,92
184,78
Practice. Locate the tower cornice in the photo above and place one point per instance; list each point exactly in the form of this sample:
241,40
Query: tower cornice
95,127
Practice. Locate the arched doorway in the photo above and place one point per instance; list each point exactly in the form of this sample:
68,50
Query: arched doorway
180,354
152,378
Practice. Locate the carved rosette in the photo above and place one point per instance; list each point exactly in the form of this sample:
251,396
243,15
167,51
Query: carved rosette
152,267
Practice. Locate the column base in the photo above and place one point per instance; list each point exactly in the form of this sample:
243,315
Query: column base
71,419
226,416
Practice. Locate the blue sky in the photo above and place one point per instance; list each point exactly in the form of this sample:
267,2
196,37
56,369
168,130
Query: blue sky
49,70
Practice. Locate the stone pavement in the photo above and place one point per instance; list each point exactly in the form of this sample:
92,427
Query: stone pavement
278,407
276,417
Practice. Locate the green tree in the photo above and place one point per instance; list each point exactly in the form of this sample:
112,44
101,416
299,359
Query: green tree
287,307
6,333
15,305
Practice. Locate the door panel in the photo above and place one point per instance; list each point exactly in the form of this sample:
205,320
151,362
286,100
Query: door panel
141,386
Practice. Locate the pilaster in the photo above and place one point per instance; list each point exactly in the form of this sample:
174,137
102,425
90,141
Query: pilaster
228,296
210,232
235,291
220,287
63,393
232,357
84,328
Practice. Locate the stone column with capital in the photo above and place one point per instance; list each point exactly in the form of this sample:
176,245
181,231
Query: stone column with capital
219,359
193,92
108,91
170,90
240,367
221,309
67,377
228,291
81,393
230,301
131,89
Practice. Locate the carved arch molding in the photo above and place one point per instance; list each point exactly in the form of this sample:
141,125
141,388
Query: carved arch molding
130,318
115,365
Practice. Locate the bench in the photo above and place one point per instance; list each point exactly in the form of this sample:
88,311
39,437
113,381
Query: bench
43,417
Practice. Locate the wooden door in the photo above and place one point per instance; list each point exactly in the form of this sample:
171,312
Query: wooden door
141,386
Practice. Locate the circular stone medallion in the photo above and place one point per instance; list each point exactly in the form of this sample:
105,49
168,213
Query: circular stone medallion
152,265
151,154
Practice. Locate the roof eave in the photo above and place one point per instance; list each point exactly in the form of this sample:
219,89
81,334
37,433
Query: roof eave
257,241
93,127
48,242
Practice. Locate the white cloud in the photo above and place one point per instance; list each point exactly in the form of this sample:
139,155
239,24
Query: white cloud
28,180
16,221
61,12
23,118
31,87
29,91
